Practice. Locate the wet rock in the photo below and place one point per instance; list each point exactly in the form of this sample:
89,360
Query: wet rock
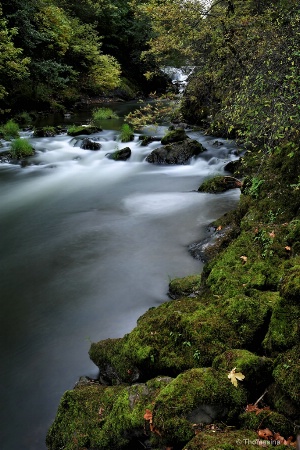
120,155
174,136
45,132
220,184
83,130
176,153
148,139
88,144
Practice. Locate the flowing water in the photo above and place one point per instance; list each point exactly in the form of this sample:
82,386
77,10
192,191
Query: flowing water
88,244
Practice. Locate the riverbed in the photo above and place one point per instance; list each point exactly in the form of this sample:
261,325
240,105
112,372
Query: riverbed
88,244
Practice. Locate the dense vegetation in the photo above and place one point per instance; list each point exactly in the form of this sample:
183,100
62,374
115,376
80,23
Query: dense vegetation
53,52
159,383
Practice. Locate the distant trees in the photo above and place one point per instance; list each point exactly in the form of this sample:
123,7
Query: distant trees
247,59
52,51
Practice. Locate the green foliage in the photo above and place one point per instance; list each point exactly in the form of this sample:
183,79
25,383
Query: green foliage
158,111
126,133
10,130
100,114
21,148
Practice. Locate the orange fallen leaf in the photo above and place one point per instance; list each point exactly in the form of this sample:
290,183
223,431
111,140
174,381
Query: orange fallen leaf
148,415
265,434
219,228
288,249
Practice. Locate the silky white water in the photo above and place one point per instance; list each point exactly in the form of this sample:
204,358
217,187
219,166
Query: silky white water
88,244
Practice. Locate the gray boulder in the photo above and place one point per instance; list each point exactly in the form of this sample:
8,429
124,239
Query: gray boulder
176,153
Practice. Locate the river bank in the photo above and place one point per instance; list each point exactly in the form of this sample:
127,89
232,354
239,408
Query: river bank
82,259
168,383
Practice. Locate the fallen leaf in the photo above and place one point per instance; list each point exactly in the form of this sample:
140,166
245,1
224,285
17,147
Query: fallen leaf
101,411
265,434
288,249
219,228
244,259
148,415
272,234
233,376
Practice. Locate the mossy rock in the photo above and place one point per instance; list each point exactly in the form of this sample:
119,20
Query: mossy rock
174,136
284,330
145,139
120,155
103,418
287,374
290,284
82,130
45,132
196,396
273,420
176,153
241,268
257,369
184,287
279,401
219,184
169,339
224,440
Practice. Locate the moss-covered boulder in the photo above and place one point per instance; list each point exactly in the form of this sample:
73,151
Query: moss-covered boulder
177,335
219,184
185,287
273,420
145,139
256,369
82,130
284,329
287,376
45,132
103,418
202,395
176,153
120,155
174,136
217,439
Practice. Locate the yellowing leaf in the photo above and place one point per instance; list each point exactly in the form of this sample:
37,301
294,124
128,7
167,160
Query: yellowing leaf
233,377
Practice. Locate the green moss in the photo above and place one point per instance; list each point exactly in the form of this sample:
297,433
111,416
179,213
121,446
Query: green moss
225,440
174,136
82,130
276,422
219,184
189,397
287,373
257,369
102,417
283,331
290,285
182,287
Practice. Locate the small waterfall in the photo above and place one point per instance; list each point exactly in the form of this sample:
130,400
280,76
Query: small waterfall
179,76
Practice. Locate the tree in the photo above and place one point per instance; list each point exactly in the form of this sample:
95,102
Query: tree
13,66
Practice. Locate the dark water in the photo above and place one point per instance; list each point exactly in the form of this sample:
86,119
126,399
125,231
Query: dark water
87,245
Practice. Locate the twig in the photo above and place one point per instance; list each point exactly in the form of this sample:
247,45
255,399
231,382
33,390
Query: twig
261,397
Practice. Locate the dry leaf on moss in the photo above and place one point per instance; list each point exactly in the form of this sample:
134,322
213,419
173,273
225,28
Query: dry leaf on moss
234,376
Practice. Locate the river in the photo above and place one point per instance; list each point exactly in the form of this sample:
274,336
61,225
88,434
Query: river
88,244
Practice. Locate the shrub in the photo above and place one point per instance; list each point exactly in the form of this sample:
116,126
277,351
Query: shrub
21,148
104,113
126,133
10,130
